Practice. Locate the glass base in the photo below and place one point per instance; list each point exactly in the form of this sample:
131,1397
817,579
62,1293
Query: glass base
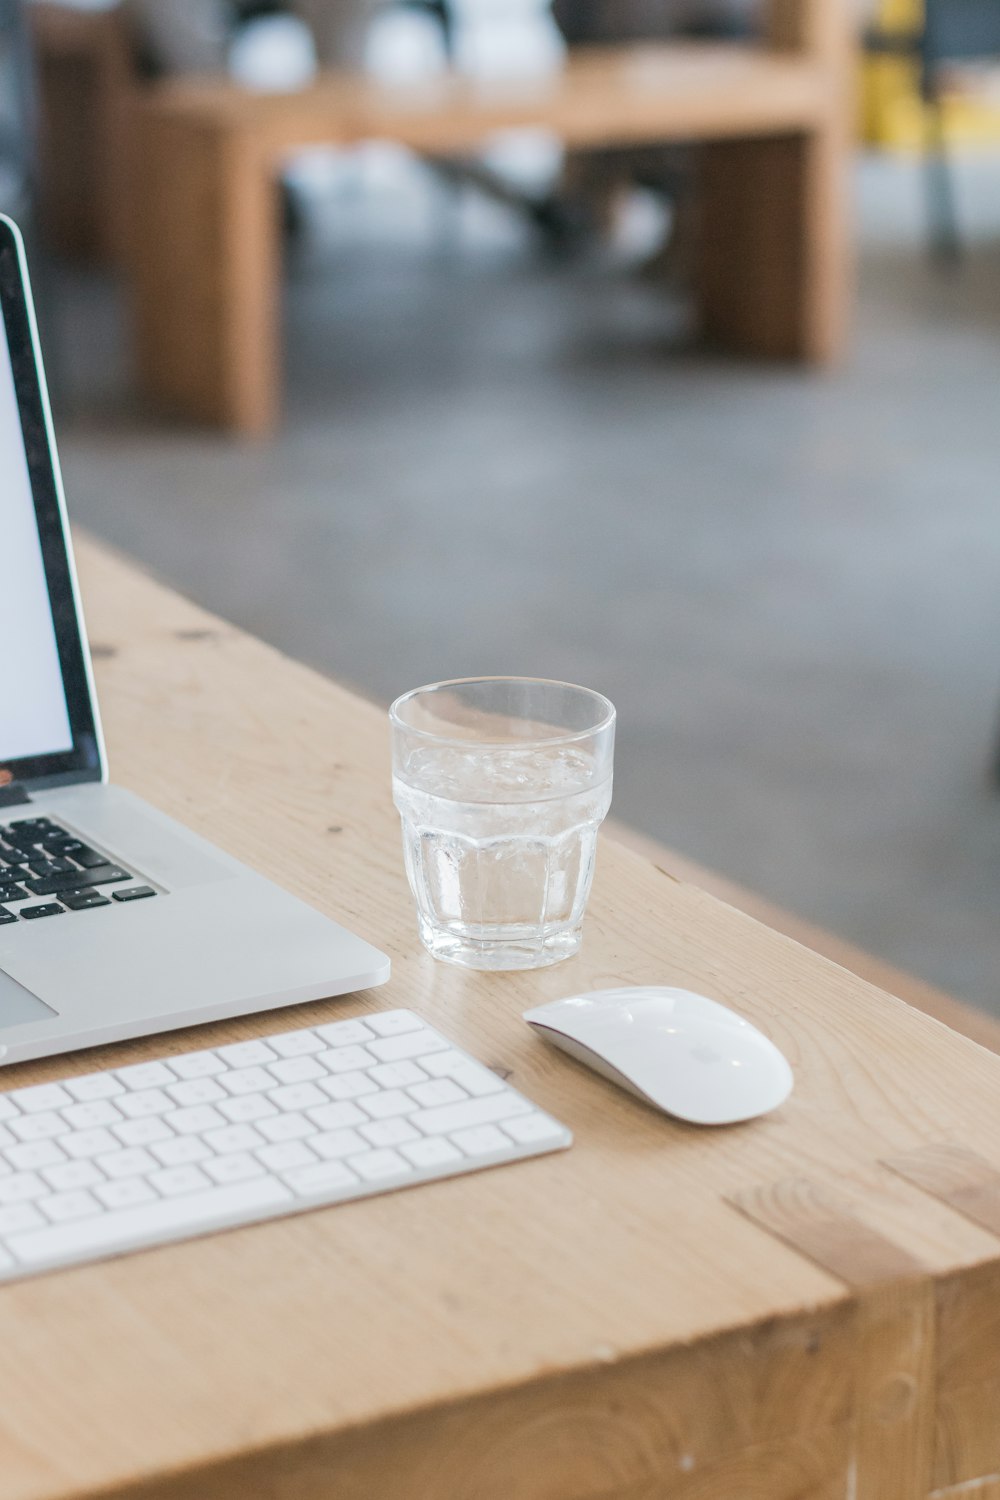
501,950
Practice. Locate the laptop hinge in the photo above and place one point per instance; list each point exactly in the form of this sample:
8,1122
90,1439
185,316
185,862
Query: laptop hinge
13,795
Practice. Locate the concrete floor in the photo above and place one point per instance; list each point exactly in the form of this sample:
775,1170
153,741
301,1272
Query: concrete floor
788,583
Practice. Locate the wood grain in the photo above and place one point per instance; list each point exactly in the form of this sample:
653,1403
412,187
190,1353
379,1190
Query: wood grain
895,1394
614,1270
956,1175
822,1225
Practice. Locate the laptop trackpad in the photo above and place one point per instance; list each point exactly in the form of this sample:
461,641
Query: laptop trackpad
18,1005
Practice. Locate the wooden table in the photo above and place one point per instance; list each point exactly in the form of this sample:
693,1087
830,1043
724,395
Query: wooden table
758,1313
774,120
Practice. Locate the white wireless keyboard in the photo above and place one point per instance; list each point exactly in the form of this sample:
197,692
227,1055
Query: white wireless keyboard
115,1161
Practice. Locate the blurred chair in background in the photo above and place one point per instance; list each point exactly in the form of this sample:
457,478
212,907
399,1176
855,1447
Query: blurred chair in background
954,34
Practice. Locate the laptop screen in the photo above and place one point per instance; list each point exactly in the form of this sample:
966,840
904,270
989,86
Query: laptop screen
35,717
48,732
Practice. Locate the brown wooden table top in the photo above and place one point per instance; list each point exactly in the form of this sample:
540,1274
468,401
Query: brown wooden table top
411,1332
613,95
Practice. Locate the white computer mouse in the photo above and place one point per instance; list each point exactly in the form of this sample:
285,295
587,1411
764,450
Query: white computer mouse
686,1054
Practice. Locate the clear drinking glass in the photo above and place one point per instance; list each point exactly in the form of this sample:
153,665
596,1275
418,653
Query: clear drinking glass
502,784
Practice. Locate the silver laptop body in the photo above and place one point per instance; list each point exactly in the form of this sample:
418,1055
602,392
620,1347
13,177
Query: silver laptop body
115,920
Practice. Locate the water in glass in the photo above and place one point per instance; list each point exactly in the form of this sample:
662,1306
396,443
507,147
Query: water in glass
499,844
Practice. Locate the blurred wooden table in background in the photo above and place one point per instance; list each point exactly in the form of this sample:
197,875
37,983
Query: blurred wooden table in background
190,186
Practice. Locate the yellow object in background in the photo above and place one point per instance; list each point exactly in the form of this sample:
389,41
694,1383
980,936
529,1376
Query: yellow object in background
892,111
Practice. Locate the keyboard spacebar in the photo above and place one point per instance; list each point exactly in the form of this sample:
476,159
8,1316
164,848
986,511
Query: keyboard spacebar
168,1219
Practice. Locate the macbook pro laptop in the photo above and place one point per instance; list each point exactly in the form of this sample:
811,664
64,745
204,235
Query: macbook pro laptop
115,921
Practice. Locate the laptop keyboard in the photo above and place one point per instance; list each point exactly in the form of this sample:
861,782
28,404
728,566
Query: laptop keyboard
193,1142
46,871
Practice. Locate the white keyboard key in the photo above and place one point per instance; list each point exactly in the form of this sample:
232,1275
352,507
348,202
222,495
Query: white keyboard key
437,1091
146,1102
239,1167
297,1069
346,1059
234,1138
337,1116
40,1127
196,1120
529,1129
411,1044
197,1065
41,1096
286,1127
246,1107
380,1166
344,1033
18,1216
297,1044
473,1112
126,1192
61,1207
334,1144
443,1064
91,1086
94,1112
247,1081
180,1150
297,1096
384,1106
477,1081
171,1182
324,1177
7,1262
87,1143
394,1022
7,1137
246,1054
31,1155
22,1187
67,1176
286,1154
388,1132
481,1140
132,1162
8,1109
164,1219
432,1151
150,1075
348,1086
196,1091
397,1075
143,1132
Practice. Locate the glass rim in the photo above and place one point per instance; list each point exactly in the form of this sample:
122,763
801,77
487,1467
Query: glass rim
569,737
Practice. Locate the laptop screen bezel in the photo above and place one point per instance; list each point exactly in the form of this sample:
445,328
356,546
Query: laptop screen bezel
84,760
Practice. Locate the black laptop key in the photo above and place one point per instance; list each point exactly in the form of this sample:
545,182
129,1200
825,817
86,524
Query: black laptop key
33,825
44,867
51,885
82,900
7,916
133,893
12,893
19,839
83,854
50,909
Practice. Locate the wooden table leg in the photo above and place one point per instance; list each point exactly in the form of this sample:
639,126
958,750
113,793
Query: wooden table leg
206,275
774,266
